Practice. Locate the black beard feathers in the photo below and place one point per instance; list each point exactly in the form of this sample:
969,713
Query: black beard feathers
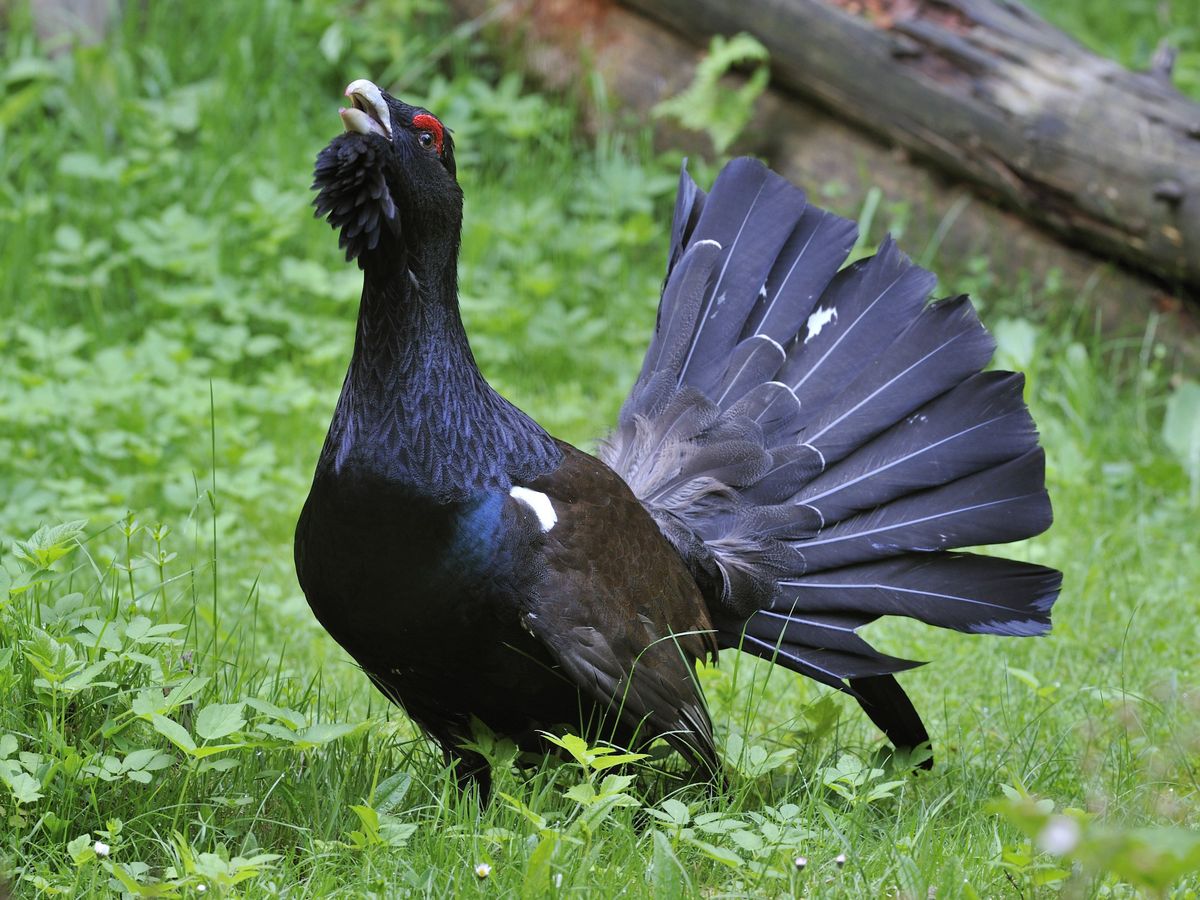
352,194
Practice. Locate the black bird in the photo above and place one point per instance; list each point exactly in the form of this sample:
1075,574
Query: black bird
804,448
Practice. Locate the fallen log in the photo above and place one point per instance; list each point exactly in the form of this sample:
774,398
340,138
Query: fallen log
565,43
990,93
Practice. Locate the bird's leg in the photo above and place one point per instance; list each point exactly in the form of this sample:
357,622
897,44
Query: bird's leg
471,770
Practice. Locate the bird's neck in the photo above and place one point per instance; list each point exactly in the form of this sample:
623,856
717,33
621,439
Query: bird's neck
415,409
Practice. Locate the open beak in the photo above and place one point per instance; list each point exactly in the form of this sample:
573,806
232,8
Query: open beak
368,113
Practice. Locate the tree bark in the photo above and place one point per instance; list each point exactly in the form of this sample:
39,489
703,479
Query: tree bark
990,93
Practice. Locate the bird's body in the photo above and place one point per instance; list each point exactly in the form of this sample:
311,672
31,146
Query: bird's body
418,556
801,450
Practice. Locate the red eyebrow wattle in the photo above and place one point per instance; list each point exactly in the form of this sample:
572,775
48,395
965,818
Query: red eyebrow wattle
426,122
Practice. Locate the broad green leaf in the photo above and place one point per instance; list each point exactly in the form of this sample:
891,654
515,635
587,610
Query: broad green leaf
720,854
369,836
25,788
218,720
153,700
619,759
91,168
584,793
279,732
1042,877
1025,677
538,821
86,677
573,744
81,849
137,627
749,841
173,732
718,823
613,784
323,732
213,749
390,792
910,877
666,873
288,716
394,833
144,759
50,543
676,810
538,870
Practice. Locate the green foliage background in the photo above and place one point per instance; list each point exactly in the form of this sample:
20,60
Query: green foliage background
174,329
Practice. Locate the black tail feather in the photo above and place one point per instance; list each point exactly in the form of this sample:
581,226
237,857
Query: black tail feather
830,667
942,346
682,296
753,362
823,630
1005,503
758,212
885,702
816,442
812,255
962,591
865,306
689,204
980,423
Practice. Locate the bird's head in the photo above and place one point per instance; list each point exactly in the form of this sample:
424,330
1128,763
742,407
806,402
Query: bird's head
387,184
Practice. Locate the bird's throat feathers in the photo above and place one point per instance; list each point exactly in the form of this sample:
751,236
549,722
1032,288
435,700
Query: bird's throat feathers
415,411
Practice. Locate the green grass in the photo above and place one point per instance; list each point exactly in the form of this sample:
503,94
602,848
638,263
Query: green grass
1130,31
174,329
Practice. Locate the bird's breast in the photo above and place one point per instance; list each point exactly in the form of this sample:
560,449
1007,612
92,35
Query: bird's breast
381,563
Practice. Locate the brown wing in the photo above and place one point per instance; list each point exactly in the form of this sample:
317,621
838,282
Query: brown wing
618,609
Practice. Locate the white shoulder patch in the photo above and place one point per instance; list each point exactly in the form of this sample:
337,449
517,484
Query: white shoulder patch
539,503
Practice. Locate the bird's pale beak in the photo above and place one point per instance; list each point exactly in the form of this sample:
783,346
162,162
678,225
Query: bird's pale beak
369,113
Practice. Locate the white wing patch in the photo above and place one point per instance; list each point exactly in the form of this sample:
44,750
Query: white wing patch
819,320
539,503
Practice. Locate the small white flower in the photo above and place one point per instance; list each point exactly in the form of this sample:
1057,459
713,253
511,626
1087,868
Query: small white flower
101,848
201,888
482,871
840,860
800,862
1060,836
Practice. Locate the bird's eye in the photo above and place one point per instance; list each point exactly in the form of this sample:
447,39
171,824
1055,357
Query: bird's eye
425,138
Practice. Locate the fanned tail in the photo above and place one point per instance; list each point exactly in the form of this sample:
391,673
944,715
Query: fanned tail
816,441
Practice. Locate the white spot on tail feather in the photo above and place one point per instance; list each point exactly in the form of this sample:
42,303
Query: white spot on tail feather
539,503
819,320
709,241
